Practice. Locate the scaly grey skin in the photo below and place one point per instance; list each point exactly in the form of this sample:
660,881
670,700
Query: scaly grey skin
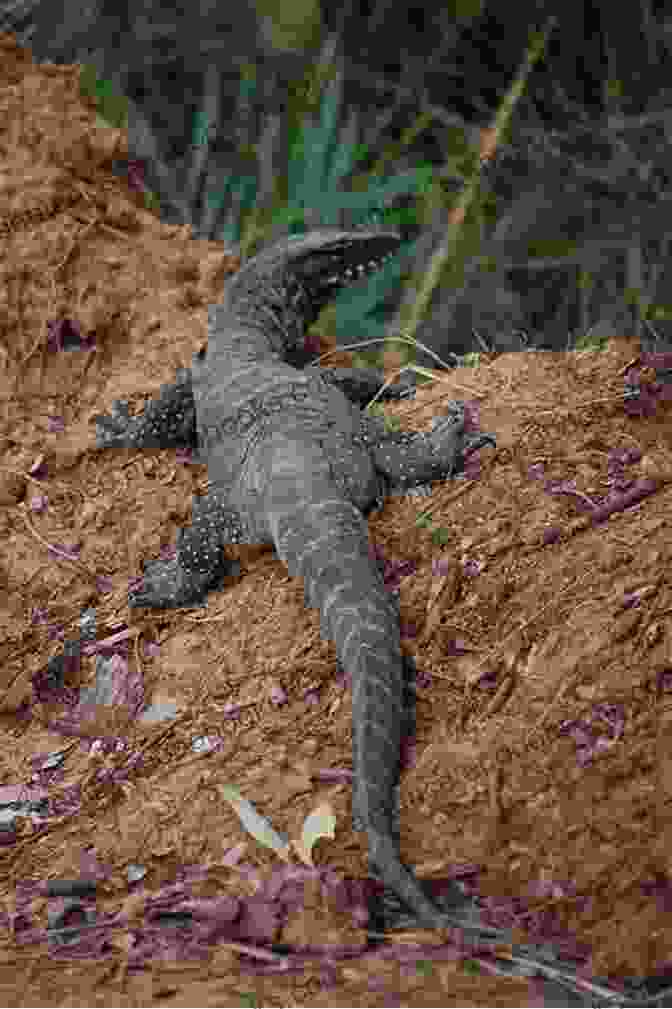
292,462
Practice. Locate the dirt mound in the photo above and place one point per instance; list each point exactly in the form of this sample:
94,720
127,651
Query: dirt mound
542,636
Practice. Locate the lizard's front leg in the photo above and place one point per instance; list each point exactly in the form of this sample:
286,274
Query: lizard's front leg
200,562
411,458
167,422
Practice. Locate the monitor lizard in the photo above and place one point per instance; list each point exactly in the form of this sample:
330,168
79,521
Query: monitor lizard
294,462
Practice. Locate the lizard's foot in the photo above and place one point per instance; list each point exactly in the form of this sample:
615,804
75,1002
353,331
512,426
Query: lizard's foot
165,585
443,436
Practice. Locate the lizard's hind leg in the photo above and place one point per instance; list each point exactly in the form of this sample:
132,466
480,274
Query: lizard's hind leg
200,562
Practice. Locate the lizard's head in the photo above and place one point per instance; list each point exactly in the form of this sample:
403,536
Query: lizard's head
283,289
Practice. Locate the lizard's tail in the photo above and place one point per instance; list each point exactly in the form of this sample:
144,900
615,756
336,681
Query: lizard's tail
323,537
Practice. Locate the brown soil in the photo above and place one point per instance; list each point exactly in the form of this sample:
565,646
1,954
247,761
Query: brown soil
495,782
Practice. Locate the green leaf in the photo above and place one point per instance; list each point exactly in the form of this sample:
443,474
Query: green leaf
586,341
292,25
472,359
471,967
152,201
440,536
248,1000
112,109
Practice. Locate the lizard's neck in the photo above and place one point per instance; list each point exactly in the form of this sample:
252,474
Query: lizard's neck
229,337
277,306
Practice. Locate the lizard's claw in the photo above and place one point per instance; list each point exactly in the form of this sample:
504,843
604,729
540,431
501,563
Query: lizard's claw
466,463
472,442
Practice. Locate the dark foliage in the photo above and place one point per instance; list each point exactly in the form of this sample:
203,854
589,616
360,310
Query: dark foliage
578,224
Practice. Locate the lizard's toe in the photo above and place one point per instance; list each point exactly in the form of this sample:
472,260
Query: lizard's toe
476,440
115,428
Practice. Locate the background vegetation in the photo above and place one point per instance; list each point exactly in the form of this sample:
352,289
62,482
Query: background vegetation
273,119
